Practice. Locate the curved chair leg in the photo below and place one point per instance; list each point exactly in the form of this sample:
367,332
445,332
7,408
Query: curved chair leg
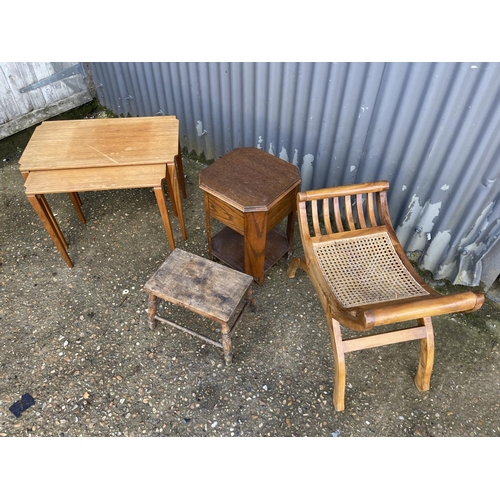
339,361
336,339
423,376
295,263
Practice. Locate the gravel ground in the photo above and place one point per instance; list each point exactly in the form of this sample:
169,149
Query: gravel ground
77,340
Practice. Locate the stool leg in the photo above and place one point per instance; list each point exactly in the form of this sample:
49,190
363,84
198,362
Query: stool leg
152,309
227,344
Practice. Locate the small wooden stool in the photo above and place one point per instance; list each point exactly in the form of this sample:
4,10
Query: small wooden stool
204,287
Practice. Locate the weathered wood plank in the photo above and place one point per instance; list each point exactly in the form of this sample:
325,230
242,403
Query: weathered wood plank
20,110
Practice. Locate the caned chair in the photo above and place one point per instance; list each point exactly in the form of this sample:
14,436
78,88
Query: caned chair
364,279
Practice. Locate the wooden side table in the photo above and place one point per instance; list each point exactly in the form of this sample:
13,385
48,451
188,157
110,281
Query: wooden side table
40,183
250,192
73,156
203,287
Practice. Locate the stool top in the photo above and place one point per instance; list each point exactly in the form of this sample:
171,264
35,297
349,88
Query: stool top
249,179
200,285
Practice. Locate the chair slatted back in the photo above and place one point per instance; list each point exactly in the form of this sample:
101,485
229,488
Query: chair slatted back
341,209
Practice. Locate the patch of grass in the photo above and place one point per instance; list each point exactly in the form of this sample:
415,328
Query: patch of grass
90,109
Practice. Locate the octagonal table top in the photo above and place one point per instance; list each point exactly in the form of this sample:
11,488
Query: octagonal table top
249,179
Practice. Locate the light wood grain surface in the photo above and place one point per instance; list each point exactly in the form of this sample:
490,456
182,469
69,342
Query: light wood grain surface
104,142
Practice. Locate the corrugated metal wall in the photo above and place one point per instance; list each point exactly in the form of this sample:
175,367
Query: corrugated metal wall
431,129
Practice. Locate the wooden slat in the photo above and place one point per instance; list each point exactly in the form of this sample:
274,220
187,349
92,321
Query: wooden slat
315,218
338,218
381,339
326,215
319,194
383,208
371,210
348,213
305,230
360,210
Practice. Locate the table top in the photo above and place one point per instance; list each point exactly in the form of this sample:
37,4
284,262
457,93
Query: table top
249,178
199,284
63,144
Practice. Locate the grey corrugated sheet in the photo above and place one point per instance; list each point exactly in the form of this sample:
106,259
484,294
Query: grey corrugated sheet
431,129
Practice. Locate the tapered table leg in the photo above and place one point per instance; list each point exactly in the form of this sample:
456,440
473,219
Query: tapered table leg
75,199
175,196
162,205
45,214
178,161
52,219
